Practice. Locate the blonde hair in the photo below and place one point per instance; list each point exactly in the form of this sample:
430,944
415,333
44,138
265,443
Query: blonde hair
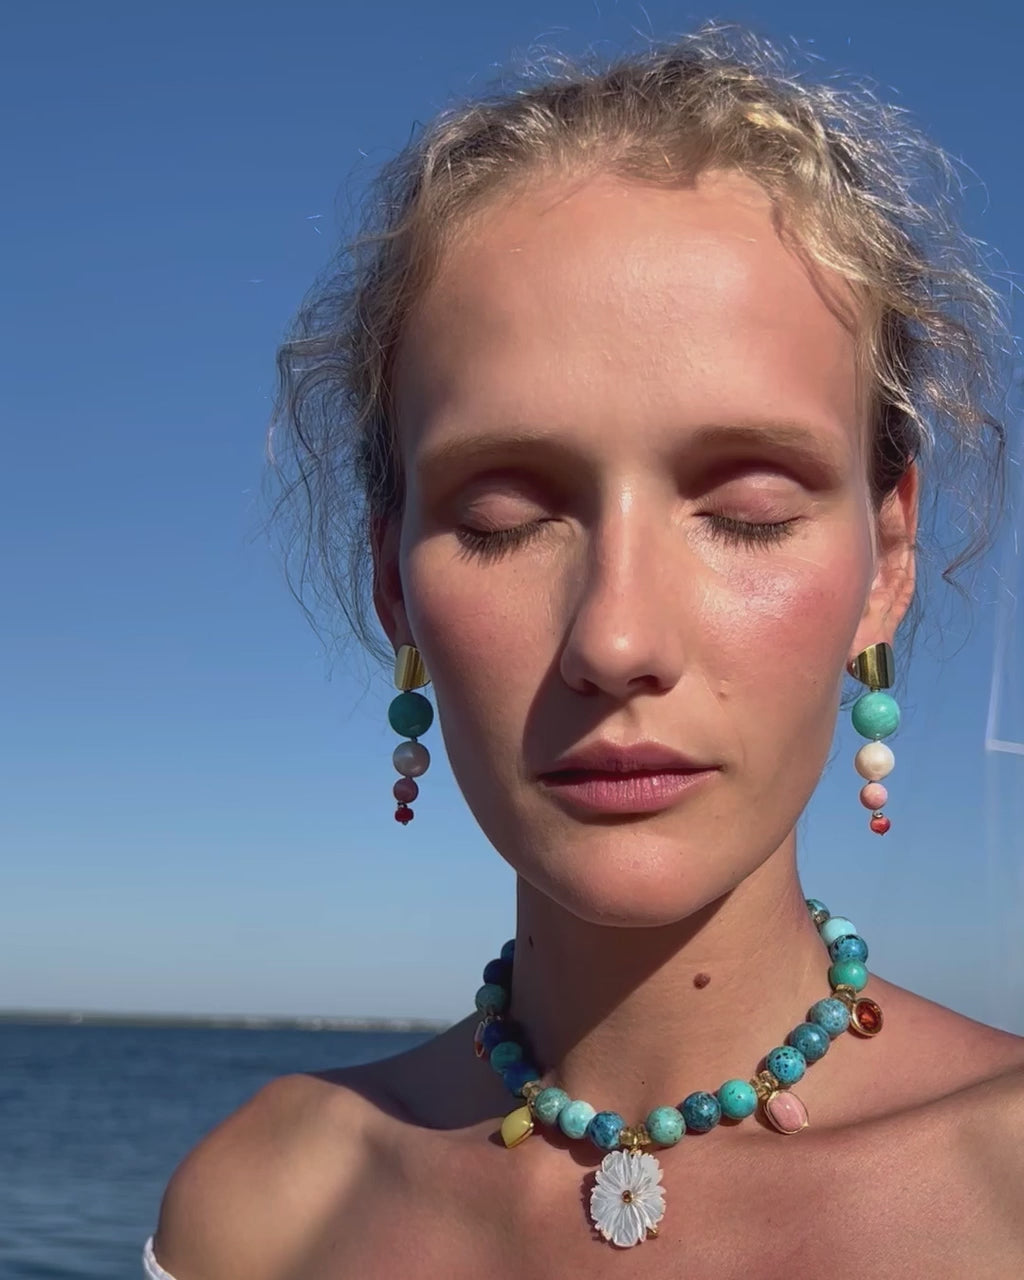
855,186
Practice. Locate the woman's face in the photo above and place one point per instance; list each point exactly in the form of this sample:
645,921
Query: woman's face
637,512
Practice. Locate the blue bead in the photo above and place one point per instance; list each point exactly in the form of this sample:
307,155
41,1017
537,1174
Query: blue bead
548,1104
810,1040
831,1015
574,1118
737,1099
850,973
701,1111
837,927
604,1129
508,951
518,1074
491,998
849,948
499,972
665,1125
494,1033
876,715
504,1054
786,1064
815,906
410,714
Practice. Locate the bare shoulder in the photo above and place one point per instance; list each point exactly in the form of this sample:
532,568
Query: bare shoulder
259,1189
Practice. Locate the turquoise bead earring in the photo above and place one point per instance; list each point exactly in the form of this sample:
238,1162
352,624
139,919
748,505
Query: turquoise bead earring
411,715
875,715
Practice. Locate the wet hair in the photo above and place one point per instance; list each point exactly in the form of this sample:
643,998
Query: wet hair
856,188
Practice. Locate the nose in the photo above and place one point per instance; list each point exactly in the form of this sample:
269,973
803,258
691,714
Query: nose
626,631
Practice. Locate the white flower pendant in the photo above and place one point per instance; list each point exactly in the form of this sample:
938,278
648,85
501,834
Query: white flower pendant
627,1203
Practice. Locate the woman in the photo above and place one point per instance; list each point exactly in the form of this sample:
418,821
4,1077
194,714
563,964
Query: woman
641,376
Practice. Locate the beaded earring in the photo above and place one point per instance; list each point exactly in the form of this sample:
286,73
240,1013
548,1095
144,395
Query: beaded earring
411,715
875,715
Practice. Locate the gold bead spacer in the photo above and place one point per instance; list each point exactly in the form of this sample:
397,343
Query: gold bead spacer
635,1136
819,918
764,1084
530,1090
410,669
846,994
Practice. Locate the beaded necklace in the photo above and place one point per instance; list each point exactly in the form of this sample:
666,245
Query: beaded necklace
627,1202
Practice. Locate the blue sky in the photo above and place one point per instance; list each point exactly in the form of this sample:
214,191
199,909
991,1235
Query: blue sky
195,805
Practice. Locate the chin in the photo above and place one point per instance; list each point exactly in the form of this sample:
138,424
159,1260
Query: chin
625,877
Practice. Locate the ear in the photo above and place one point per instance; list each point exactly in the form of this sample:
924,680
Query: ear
388,597
892,588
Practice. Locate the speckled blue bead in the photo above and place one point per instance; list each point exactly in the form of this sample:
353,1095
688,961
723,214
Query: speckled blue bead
831,1015
665,1125
837,927
701,1111
410,714
876,715
810,1040
498,972
518,1074
574,1118
815,906
508,951
504,1054
849,948
737,1099
604,1129
786,1064
850,973
495,1033
491,998
548,1103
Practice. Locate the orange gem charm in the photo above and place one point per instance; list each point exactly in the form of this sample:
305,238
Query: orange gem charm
866,1017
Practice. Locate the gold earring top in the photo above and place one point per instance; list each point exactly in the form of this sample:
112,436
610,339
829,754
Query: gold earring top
410,670
874,666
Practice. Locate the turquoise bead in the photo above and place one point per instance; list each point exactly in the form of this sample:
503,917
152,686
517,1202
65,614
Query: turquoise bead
410,714
604,1129
701,1111
548,1103
876,715
851,973
816,907
835,928
499,972
508,951
491,998
849,948
518,1074
831,1015
737,1099
786,1064
574,1118
504,1054
665,1125
810,1040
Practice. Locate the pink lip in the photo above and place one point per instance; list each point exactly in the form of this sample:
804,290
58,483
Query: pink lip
642,778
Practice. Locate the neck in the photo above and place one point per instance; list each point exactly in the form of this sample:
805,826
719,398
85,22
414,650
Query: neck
630,1019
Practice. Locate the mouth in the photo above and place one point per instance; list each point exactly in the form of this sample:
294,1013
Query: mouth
624,791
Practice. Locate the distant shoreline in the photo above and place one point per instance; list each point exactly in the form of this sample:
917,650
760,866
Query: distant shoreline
251,1022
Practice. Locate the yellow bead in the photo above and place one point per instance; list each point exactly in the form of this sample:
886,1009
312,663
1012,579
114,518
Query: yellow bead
517,1126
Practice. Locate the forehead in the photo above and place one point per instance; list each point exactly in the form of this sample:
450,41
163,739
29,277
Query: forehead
604,301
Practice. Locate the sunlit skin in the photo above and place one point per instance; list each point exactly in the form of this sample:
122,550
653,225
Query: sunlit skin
635,437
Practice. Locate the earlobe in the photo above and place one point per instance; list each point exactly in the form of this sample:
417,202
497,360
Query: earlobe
388,596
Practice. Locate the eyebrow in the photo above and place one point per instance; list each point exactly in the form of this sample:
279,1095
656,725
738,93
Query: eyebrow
824,455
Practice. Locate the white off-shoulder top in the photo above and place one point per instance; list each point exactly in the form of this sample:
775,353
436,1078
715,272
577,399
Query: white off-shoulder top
152,1269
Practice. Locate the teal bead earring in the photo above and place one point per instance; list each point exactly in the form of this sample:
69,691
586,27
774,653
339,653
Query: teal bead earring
875,715
411,715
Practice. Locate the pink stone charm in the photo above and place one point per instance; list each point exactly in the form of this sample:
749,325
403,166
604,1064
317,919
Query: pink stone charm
403,814
406,791
786,1112
880,824
874,796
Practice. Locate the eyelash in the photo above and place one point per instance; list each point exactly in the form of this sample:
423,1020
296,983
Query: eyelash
492,544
